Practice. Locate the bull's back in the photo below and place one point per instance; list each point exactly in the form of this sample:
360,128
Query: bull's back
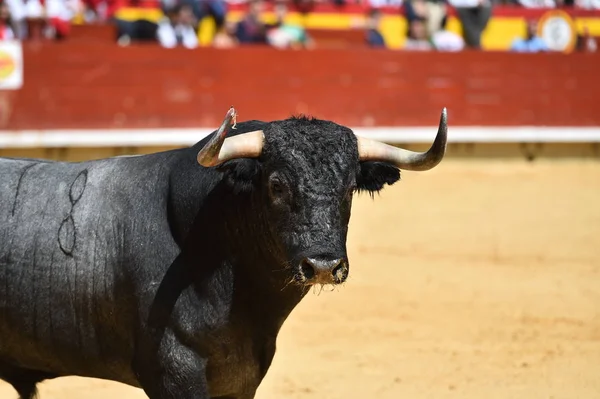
63,248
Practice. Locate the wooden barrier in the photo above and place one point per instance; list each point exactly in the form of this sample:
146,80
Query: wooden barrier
106,33
77,85
338,38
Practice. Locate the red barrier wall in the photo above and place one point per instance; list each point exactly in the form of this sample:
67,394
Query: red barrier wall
76,85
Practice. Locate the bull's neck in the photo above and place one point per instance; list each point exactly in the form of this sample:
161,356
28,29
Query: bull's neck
230,231
263,281
226,229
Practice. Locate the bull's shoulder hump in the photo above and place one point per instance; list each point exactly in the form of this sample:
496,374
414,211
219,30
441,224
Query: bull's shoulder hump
25,160
18,163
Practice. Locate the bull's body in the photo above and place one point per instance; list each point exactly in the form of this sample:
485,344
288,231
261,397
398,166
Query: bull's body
84,249
174,277
80,247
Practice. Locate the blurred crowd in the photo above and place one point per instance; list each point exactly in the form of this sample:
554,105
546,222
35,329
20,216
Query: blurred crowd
179,21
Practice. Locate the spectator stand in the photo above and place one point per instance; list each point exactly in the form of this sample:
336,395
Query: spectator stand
506,23
333,25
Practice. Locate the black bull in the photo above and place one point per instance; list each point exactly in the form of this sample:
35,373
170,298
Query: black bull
172,276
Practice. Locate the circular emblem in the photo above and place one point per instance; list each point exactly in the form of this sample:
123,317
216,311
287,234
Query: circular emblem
557,29
7,65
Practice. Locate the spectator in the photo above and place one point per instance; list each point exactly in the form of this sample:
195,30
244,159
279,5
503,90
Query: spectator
132,30
95,10
285,35
215,9
538,3
18,17
373,37
50,19
225,37
532,43
178,28
59,14
434,11
585,42
417,38
414,9
588,4
474,16
383,3
6,30
251,30
445,40
35,19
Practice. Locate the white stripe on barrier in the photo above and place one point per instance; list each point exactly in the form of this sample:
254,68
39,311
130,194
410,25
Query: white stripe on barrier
182,137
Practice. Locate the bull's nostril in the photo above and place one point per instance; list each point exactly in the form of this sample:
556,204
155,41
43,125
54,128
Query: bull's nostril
307,269
340,272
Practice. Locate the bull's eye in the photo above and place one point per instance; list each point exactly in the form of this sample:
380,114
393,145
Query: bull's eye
276,187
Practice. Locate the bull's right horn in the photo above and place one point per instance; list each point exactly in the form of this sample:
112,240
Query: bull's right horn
371,150
220,149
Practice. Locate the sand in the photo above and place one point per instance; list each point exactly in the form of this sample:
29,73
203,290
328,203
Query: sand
479,279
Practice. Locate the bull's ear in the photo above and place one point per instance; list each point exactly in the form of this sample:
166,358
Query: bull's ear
241,174
373,175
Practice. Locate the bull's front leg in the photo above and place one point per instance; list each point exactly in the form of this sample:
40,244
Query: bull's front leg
174,372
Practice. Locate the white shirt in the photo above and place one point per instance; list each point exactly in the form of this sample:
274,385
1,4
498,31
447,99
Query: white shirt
385,3
538,3
445,40
464,3
62,9
17,9
588,4
167,35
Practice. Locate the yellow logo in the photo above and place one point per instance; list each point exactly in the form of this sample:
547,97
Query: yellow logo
7,65
557,28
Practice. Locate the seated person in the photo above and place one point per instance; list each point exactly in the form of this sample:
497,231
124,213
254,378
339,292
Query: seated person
178,28
417,38
251,30
532,43
286,35
50,19
373,37
131,28
6,31
59,14
225,37
445,40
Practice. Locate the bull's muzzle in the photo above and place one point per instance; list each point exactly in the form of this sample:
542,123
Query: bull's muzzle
320,270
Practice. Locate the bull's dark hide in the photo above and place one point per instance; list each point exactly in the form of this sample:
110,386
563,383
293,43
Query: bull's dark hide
159,273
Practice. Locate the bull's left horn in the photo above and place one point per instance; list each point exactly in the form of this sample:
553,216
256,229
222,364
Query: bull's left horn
220,149
371,150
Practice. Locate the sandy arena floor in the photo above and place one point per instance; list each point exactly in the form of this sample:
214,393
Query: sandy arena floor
478,280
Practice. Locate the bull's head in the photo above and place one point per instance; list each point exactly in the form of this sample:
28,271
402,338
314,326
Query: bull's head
309,171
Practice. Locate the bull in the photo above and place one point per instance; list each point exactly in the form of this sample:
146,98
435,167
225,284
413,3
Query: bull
173,272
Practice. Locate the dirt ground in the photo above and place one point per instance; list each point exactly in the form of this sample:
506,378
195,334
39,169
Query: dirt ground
474,280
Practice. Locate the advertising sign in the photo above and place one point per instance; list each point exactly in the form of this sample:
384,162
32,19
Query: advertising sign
11,65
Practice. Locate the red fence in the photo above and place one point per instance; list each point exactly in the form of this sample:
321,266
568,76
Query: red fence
76,85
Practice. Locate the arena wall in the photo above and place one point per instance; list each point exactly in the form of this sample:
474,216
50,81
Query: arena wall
75,95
